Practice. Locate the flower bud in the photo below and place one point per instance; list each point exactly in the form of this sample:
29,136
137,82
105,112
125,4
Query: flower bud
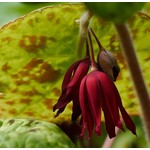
108,64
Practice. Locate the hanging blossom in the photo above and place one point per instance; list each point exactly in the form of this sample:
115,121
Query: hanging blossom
94,93
70,86
98,93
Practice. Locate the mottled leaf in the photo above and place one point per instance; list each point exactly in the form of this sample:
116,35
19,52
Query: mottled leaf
37,49
29,133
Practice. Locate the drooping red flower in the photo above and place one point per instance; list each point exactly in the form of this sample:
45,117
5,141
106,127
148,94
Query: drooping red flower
98,93
70,86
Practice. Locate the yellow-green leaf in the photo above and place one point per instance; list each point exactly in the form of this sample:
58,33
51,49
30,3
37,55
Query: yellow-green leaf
37,49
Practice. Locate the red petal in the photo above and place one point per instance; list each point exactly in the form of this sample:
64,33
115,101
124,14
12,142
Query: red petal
69,73
129,123
110,126
80,72
62,101
59,111
85,108
71,85
94,100
110,97
76,108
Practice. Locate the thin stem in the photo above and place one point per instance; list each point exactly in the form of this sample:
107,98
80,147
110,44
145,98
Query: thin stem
98,42
84,23
136,74
109,142
92,51
87,49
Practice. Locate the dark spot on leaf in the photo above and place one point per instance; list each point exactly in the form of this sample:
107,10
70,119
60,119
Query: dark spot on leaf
15,76
30,22
37,122
131,96
48,103
21,81
32,43
12,102
134,33
6,67
34,62
15,90
46,73
51,16
147,30
44,117
131,105
12,111
57,20
130,88
120,59
53,39
29,124
23,73
25,100
34,130
56,91
11,121
29,113
30,92
37,19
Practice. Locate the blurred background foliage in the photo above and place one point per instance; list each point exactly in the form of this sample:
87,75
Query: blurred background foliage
35,100
12,10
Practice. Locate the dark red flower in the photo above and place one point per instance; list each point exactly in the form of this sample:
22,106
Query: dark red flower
98,93
70,87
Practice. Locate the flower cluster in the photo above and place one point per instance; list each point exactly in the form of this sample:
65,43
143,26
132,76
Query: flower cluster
94,92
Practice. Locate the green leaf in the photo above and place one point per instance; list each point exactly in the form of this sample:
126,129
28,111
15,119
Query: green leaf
37,49
116,11
27,133
35,52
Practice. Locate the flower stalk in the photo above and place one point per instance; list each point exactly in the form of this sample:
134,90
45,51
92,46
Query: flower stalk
101,48
84,23
109,142
136,74
92,51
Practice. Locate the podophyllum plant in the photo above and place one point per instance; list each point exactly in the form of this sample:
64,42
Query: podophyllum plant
36,50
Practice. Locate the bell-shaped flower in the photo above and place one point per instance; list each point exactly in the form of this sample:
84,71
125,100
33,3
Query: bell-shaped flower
98,93
70,86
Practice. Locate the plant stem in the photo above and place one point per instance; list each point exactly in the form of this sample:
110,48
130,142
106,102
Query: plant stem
98,42
84,23
109,142
92,51
136,74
